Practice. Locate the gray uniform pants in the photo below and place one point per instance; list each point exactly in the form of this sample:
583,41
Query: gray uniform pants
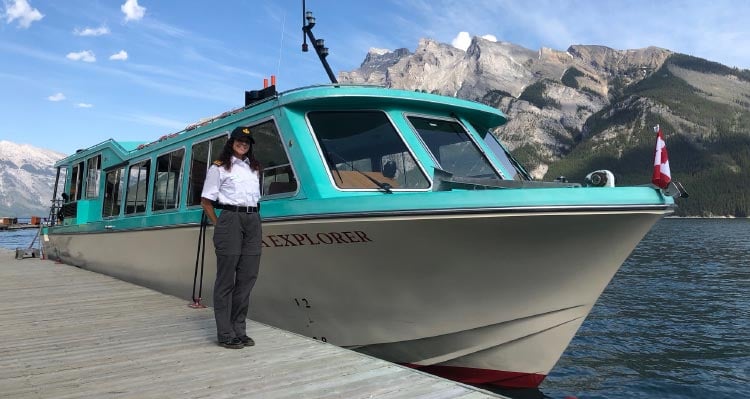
237,239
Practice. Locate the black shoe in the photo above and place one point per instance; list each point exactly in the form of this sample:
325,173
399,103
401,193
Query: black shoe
232,343
247,341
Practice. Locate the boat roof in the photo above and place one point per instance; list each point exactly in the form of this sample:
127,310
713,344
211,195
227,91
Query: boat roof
362,95
482,117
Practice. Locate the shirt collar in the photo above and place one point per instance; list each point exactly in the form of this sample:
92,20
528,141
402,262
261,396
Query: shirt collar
236,160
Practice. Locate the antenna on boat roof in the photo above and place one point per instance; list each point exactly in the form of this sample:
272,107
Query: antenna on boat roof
308,22
281,45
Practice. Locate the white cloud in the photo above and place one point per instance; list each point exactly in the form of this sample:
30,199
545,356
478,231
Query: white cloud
22,11
102,30
121,56
56,97
85,56
132,10
461,41
84,105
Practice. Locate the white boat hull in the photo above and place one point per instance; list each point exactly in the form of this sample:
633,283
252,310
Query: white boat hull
481,298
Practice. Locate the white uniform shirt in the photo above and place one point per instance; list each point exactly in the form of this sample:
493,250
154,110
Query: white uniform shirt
239,186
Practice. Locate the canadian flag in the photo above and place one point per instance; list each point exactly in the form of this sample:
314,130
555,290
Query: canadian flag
662,176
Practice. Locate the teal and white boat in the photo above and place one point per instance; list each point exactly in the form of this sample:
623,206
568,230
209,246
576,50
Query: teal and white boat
394,223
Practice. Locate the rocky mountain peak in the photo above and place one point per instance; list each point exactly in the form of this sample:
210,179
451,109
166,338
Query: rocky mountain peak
27,177
549,94
610,61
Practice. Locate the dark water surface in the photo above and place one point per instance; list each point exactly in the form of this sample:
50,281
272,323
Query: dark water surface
673,323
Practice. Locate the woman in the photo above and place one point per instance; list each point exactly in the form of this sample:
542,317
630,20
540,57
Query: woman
233,185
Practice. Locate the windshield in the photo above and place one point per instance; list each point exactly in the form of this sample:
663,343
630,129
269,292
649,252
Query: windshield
363,150
452,148
509,163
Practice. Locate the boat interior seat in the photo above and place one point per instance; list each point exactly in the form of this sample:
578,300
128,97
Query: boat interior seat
355,179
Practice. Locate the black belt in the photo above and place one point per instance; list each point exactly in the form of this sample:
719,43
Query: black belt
235,208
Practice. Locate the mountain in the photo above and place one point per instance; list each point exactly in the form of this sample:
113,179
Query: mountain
592,107
27,179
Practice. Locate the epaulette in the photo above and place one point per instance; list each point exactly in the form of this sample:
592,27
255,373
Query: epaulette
218,162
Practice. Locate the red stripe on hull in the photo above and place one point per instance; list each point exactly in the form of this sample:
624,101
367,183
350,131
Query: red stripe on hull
468,375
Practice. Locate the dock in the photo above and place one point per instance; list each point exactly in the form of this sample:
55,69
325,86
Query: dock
70,333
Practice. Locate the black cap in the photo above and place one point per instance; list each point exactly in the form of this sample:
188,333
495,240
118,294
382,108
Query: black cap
242,133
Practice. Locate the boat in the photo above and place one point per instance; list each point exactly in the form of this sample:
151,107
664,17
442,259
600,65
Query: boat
395,223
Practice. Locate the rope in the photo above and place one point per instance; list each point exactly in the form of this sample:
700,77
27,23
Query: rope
200,255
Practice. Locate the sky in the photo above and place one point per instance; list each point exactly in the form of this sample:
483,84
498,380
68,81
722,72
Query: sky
75,73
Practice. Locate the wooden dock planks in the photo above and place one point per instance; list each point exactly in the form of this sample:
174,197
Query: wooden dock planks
69,333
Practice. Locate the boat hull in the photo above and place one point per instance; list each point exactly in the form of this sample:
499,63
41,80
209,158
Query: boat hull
483,298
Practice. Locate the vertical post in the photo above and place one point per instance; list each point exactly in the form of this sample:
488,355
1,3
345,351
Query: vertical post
308,22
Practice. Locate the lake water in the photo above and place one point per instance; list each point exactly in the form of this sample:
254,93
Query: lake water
12,239
673,323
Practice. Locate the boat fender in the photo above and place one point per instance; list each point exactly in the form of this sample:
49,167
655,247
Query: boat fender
600,178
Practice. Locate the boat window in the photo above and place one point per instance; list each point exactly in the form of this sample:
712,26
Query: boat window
362,146
113,185
76,182
93,166
167,180
62,174
278,176
506,159
203,154
137,190
452,148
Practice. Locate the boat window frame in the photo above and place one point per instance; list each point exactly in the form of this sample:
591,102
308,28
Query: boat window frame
95,179
148,185
179,198
329,173
123,168
59,189
512,164
77,173
290,164
468,132
188,193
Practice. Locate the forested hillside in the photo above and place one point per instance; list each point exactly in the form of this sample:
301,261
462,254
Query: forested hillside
708,141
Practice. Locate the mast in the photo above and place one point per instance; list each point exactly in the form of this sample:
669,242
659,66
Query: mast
308,22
